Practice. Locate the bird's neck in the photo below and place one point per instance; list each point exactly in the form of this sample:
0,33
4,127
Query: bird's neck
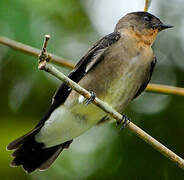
145,38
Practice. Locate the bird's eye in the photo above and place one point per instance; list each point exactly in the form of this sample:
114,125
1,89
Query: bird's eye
147,18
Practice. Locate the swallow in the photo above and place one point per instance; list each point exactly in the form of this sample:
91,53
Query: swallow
117,69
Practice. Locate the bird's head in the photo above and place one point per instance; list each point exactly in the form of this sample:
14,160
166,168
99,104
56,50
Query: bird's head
143,24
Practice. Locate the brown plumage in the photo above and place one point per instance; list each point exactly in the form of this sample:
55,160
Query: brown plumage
117,68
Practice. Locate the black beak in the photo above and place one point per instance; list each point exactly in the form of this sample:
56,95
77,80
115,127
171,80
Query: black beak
161,27
164,26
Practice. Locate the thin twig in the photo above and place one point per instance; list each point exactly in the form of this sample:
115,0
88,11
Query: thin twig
163,89
147,4
117,116
34,51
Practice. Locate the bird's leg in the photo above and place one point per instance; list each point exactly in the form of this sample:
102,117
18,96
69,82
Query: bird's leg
124,121
93,96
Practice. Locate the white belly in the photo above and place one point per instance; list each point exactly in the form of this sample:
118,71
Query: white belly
64,124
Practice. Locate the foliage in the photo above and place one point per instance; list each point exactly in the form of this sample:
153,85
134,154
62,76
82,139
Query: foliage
103,152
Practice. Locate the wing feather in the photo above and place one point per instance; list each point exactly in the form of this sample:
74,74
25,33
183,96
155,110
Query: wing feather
87,62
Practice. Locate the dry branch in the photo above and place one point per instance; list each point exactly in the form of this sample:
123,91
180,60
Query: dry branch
34,51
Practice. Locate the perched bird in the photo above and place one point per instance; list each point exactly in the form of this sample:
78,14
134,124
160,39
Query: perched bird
116,69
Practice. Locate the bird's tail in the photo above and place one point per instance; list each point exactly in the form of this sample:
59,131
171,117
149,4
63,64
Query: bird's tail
32,155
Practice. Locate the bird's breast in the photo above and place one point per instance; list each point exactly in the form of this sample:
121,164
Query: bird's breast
115,80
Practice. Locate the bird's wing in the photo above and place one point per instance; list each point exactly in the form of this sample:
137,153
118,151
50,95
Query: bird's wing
87,62
147,80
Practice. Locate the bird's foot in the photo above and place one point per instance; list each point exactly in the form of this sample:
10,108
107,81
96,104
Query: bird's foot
124,121
91,99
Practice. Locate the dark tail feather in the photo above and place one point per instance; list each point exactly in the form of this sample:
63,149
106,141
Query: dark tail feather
16,143
32,155
54,156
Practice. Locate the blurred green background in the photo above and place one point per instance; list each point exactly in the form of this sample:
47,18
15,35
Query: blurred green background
103,152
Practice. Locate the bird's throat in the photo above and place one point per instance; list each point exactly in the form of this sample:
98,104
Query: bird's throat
146,38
